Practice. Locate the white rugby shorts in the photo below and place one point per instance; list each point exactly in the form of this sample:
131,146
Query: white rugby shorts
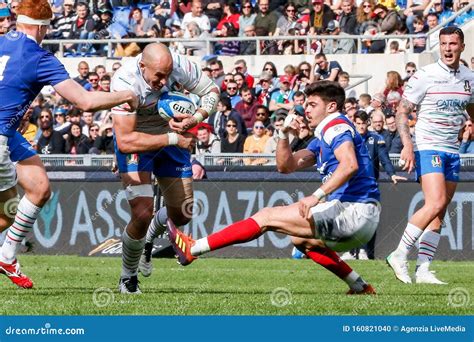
345,225
8,177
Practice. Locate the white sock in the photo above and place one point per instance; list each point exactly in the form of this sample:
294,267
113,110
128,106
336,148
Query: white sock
428,245
355,282
25,218
200,247
408,240
156,227
131,251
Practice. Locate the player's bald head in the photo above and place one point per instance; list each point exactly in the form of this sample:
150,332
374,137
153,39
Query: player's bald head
156,65
157,54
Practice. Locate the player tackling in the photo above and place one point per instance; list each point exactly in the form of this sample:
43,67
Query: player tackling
24,69
146,144
441,92
347,219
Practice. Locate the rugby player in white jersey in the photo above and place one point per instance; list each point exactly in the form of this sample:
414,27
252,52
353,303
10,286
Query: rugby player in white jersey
442,93
146,143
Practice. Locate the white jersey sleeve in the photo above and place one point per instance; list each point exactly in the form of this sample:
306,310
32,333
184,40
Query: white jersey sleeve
415,89
123,80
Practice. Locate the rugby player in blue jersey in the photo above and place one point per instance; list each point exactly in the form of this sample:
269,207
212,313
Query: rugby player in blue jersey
24,69
346,219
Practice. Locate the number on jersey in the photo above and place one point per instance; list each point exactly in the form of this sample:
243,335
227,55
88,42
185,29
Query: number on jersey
3,65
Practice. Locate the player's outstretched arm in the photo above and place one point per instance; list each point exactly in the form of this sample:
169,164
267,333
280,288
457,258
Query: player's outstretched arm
131,141
93,101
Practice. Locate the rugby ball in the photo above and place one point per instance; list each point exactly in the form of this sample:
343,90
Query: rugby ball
171,103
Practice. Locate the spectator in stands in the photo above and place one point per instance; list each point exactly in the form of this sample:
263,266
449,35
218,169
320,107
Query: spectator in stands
364,103
343,81
59,117
320,16
93,79
105,20
414,8
100,70
229,47
467,145
240,65
239,78
265,18
282,99
247,108
93,134
198,46
88,121
207,142
432,21
104,143
229,77
325,70
348,18
410,69
287,21
271,68
264,90
161,14
233,141
419,43
263,115
231,15
50,141
302,77
224,112
217,72
214,11
104,83
138,25
393,99
5,20
365,17
299,99
304,137
61,25
83,69
393,140
248,47
115,67
393,83
77,143
31,129
394,47
272,142
377,120
198,17
389,20
255,143
378,103
83,27
350,107
247,18
232,91
437,7
339,46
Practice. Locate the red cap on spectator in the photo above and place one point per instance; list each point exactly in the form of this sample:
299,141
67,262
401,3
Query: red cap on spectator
284,79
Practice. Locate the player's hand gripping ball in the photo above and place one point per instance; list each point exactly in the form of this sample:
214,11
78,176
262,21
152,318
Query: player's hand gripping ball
172,103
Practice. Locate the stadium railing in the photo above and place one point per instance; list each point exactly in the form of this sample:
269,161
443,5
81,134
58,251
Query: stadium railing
308,39
218,159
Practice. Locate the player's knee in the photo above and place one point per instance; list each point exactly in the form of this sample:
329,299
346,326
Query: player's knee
43,194
438,206
142,215
262,217
179,217
299,243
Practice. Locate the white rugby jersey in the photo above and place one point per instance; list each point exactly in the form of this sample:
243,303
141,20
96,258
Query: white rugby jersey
185,75
441,95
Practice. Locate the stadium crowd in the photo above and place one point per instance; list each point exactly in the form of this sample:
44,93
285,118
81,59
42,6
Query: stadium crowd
251,107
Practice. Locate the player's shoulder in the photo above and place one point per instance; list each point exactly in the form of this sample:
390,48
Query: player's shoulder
466,73
127,75
332,126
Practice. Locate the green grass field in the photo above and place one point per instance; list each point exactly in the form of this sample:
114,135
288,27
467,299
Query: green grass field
66,285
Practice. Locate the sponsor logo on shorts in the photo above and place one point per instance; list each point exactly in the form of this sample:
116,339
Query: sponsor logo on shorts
436,161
